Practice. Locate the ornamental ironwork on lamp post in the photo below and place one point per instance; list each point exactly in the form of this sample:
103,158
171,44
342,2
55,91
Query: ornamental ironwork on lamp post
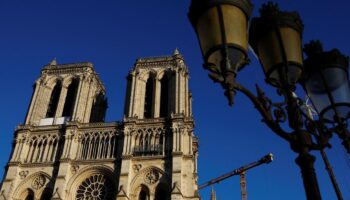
276,38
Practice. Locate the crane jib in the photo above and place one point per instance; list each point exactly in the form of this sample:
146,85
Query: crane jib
266,159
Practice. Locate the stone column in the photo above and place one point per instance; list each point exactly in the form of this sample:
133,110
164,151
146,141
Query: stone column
40,105
177,92
77,100
186,96
132,96
32,102
156,98
140,98
61,101
90,99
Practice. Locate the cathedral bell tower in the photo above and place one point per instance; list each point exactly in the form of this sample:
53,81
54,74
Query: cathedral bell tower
48,147
159,154
70,92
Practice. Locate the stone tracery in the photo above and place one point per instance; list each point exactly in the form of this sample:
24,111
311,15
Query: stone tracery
96,187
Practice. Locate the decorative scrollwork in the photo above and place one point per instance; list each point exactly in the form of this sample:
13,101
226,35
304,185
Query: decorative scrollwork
274,109
263,99
279,113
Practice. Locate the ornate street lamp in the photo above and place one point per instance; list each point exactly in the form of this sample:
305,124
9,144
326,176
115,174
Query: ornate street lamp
276,37
326,81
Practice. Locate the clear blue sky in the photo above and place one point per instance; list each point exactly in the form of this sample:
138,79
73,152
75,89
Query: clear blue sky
112,34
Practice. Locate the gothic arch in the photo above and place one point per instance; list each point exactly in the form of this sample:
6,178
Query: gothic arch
163,72
52,81
97,145
149,177
41,148
80,184
148,73
36,183
70,100
68,80
54,97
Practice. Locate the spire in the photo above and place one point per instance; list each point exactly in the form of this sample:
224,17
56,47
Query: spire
176,52
212,194
53,62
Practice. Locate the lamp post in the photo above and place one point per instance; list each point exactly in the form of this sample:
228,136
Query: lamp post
276,37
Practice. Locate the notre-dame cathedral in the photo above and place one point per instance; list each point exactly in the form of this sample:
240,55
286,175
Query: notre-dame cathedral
65,149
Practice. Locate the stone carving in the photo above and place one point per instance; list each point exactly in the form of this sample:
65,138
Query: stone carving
74,169
23,174
152,176
38,182
137,167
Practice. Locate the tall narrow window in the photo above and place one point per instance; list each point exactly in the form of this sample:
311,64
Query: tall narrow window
55,95
148,98
164,97
70,99
160,147
98,109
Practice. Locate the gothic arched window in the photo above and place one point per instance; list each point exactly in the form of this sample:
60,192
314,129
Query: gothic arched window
147,141
160,150
164,84
98,109
70,98
55,95
148,98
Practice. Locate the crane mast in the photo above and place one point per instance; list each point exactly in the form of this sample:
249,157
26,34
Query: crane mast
243,184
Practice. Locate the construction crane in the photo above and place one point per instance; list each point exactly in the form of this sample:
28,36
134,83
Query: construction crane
240,171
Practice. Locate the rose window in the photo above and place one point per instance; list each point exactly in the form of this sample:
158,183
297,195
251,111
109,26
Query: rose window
96,187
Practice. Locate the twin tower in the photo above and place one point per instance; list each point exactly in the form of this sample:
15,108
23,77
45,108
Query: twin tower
65,150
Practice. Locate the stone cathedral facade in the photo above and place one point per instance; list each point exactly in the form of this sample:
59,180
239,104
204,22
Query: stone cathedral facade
66,150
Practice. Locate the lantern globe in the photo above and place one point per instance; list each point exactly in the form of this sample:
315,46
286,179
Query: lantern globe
326,81
276,38
221,28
